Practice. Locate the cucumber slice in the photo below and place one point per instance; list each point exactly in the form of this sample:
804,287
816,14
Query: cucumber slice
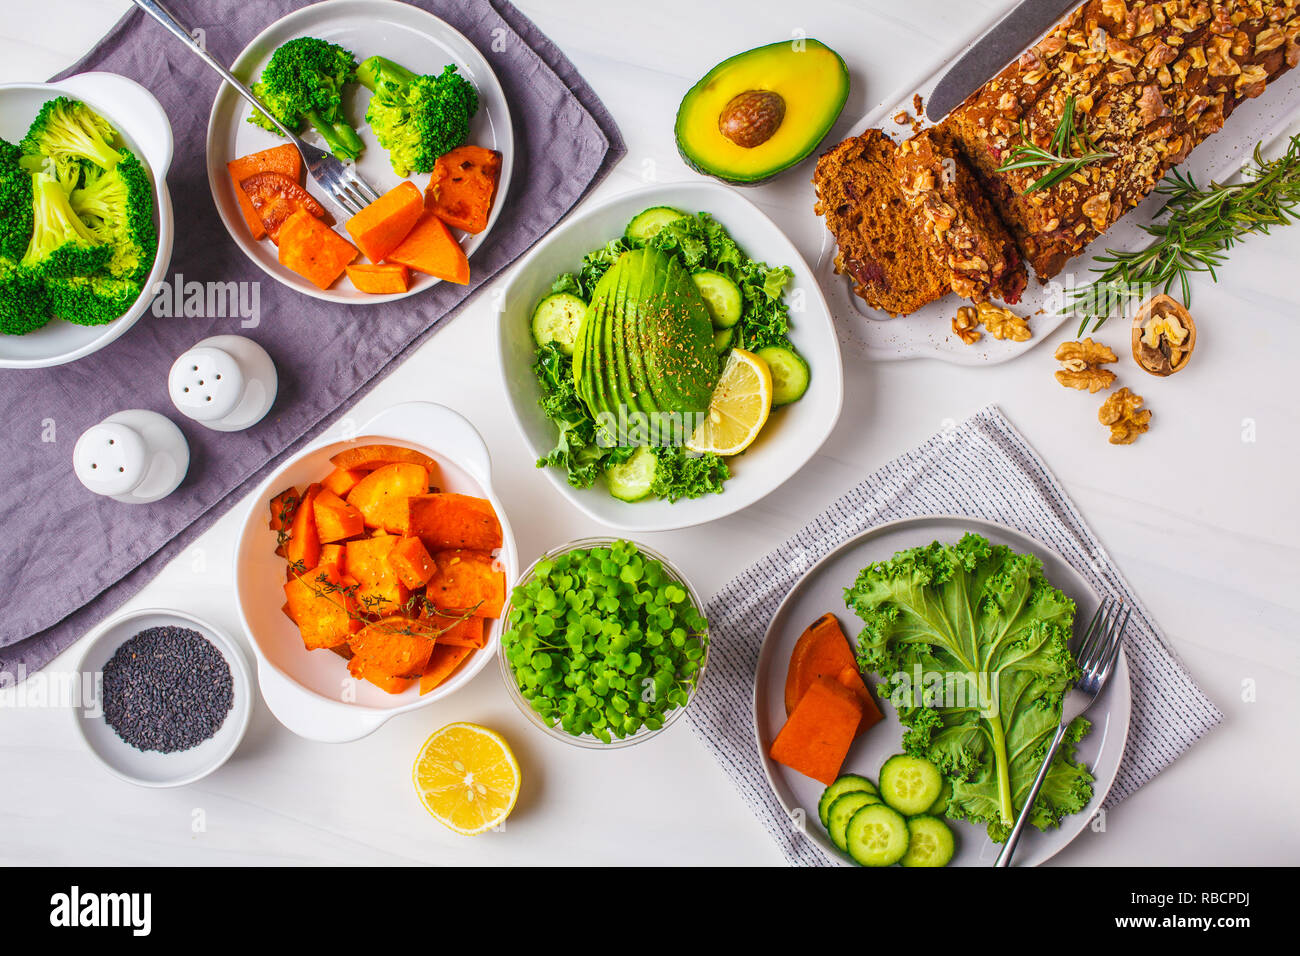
841,811
790,373
910,784
848,783
557,319
649,221
722,340
940,806
876,836
721,297
631,480
930,842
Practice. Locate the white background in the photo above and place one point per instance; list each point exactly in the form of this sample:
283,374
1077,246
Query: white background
1201,520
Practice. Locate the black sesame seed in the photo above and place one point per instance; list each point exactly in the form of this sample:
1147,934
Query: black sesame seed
167,689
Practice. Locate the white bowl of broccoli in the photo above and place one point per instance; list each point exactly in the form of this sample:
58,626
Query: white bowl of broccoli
85,216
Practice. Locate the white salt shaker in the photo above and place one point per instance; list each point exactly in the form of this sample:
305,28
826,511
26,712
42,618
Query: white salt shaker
226,383
136,456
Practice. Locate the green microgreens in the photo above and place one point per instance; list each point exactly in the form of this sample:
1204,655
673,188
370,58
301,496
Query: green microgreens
1070,149
604,641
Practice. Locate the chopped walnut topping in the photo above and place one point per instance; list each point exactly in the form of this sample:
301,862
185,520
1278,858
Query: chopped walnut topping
1097,209
1081,365
1151,105
1159,55
1270,38
1221,61
1121,412
1252,81
1122,52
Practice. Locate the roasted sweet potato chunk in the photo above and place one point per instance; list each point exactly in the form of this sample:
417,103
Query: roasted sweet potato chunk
411,561
445,660
335,518
379,590
381,496
321,607
467,580
396,646
447,521
370,457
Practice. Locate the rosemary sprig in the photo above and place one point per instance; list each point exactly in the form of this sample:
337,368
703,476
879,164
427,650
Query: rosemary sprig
1202,225
1070,149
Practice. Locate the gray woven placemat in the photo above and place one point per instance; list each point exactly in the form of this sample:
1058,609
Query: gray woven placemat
1170,713
71,557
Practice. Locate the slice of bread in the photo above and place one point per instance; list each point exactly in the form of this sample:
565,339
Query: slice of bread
894,266
959,219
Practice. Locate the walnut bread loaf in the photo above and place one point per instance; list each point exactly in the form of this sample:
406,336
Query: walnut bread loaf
1151,80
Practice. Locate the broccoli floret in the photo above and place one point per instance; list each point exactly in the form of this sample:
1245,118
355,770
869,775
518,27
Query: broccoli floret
24,299
304,82
61,244
118,206
91,300
67,132
416,118
15,203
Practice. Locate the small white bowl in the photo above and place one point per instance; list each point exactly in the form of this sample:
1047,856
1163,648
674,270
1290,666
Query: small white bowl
311,692
144,127
794,432
151,768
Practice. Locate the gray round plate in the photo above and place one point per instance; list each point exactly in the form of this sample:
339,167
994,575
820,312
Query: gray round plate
822,590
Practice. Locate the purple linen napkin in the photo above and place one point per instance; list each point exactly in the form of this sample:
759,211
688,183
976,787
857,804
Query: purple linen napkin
70,557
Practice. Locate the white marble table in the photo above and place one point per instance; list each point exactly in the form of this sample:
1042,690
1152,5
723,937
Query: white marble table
1201,515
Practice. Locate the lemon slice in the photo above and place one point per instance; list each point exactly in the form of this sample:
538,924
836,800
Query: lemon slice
739,408
467,778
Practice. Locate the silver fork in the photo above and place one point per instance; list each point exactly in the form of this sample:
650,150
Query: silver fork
1098,650
338,179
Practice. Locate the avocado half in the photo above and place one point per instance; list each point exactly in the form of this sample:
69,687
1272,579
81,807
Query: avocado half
780,100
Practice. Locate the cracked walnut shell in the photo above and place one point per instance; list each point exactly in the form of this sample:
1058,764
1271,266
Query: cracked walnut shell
1121,412
1081,365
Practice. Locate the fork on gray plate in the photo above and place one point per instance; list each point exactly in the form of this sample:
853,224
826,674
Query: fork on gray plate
1097,652
348,190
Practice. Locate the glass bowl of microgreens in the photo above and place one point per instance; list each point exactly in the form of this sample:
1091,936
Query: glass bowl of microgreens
604,643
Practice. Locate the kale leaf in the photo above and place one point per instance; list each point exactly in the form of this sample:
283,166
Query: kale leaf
980,620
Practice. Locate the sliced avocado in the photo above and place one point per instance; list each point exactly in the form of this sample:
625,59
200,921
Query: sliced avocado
587,372
614,348
761,111
630,386
677,341
653,279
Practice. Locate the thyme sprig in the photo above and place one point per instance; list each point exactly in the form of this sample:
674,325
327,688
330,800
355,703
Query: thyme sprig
1202,224
1070,149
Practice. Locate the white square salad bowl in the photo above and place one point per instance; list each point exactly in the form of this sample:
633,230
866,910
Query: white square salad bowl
793,433
311,692
144,127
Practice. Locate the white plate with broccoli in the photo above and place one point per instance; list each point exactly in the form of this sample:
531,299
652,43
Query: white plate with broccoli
400,33
886,587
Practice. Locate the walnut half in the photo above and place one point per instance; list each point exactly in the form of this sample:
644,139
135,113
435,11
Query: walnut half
1121,413
1003,323
966,325
1081,365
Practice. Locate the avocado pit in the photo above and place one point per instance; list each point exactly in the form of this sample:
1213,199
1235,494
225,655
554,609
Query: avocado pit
752,118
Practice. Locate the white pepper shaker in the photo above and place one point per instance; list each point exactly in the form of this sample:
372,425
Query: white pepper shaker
135,457
226,383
